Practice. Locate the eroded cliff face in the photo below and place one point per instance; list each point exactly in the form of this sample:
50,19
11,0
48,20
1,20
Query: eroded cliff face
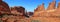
39,9
51,10
17,13
51,5
4,8
58,5
51,14
18,10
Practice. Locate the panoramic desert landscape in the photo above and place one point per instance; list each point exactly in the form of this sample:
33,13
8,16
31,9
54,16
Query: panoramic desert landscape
19,13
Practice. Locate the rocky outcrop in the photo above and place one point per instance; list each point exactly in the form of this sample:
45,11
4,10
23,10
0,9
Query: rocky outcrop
51,5
4,8
18,10
39,9
52,14
59,5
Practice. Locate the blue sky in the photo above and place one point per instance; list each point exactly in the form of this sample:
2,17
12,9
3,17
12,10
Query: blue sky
29,5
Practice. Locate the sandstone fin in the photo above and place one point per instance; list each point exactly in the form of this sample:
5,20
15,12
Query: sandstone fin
51,5
40,8
59,5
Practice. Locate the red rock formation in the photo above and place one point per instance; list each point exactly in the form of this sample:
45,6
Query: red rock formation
39,9
51,5
20,9
14,11
50,15
18,14
59,5
4,8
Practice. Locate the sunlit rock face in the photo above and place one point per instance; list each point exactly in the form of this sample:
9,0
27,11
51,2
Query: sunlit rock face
58,6
51,5
51,10
38,10
51,14
4,8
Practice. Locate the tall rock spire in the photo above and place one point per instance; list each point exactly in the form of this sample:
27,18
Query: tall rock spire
59,5
40,8
52,5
